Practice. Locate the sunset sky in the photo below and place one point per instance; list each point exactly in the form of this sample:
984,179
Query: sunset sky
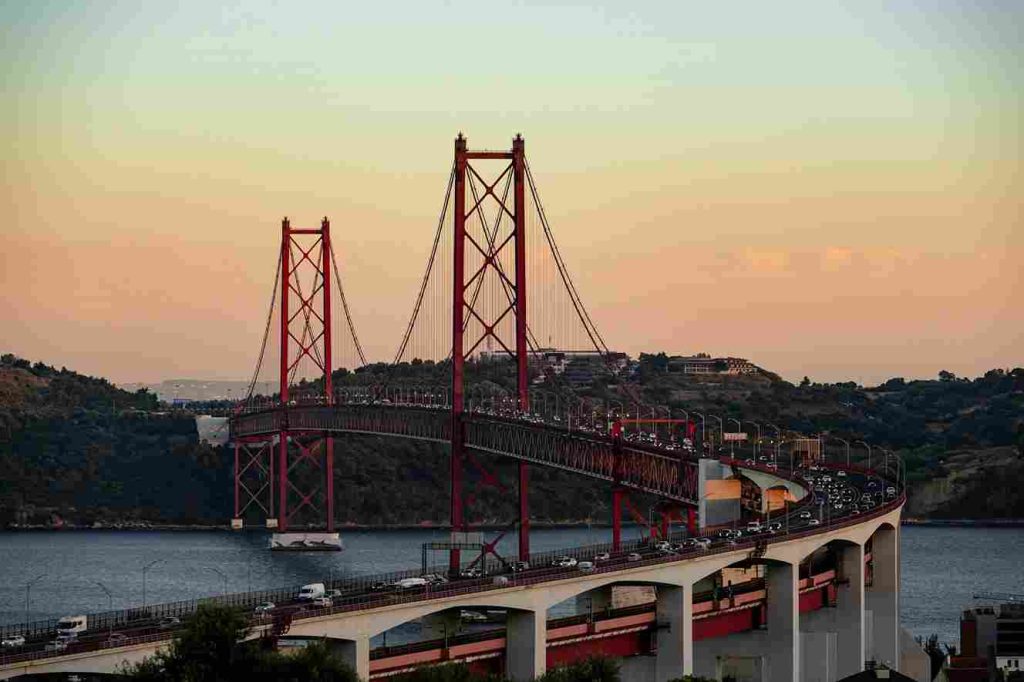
827,188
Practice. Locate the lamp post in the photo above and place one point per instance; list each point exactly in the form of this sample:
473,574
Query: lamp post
778,439
222,575
732,443
757,443
865,444
703,432
28,592
847,444
721,425
110,605
145,569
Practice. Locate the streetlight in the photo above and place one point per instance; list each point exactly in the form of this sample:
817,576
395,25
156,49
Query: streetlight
222,575
721,425
732,443
145,569
847,444
757,443
110,605
703,431
28,591
865,444
778,439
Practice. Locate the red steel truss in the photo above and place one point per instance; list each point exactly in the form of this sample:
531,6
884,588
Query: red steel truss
465,308
304,463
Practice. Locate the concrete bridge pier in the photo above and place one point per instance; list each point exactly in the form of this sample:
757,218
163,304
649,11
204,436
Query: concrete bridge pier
783,620
849,612
882,597
675,635
525,644
355,653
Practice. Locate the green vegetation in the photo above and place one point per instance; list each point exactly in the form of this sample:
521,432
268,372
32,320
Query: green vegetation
79,449
210,648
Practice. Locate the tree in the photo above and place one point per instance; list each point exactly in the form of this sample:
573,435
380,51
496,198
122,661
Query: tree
805,382
589,670
935,653
946,376
209,648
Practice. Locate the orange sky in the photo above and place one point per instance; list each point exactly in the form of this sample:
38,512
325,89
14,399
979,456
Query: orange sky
833,192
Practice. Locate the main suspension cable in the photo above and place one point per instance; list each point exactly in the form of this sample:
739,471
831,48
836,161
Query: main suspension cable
344,305
266,330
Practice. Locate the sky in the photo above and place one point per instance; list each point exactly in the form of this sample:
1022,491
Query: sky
830,189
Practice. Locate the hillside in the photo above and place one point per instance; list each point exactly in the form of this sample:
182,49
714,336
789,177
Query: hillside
78,448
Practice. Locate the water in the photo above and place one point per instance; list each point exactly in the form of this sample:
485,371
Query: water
942,567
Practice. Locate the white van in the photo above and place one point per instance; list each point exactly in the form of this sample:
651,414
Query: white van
311,592
68,627
410,583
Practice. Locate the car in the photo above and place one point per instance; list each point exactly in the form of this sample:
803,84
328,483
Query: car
724,533
434,579
814,522
57,645
334,594
472,616
872,485
702,543
379,587
633,556
603,556
564,562
264,608
890,491
663,546
13,642
841,474
410,583
116,639
169,622
774,527
519,566
321,603
471,573
754,527
585,566
500,580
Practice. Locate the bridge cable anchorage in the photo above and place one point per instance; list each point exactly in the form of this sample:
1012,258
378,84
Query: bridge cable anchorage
563,271
430,266
344,305
266,333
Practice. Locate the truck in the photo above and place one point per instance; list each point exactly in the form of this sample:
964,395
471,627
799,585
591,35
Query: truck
311,591
69,627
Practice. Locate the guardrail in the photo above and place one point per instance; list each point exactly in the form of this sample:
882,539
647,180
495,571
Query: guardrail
137,617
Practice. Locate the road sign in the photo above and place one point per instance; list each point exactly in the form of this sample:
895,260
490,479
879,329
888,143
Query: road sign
734,436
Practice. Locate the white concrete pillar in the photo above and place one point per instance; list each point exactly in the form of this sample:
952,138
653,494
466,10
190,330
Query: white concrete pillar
595,601
783,616
675,634
883,597
356,653
525,644
849,615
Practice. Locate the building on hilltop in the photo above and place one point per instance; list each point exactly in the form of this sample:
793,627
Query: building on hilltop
702,363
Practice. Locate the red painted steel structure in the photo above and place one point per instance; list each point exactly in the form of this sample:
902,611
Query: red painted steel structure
464,308
305,251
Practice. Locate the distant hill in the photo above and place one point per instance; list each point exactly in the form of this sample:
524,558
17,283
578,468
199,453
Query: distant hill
78,448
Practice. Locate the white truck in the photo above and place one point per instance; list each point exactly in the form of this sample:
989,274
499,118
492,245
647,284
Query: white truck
69,627
311,592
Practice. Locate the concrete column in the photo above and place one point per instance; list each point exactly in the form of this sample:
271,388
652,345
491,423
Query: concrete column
883,597
525,645
596,601
356,653
675,633
849,616
783,616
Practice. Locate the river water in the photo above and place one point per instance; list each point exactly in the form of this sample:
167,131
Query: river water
942,567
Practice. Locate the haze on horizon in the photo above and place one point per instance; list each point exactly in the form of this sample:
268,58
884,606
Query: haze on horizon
828,189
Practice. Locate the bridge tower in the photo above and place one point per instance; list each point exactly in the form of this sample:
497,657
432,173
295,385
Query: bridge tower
464,308
305,457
